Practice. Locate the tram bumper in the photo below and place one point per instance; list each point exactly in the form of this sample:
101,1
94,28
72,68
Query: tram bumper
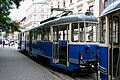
88,66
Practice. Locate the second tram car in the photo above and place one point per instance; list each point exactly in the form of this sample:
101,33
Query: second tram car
109,47
69,42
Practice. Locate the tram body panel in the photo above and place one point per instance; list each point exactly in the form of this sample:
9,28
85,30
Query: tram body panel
87,54
78,54
74,51
27,45
103,62
42,48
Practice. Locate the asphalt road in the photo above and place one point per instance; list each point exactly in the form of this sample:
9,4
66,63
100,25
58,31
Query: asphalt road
15,66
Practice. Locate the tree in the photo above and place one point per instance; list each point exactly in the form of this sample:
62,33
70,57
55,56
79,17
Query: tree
14,26
5,6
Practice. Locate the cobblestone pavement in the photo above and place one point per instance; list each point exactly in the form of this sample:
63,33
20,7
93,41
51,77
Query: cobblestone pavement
15,66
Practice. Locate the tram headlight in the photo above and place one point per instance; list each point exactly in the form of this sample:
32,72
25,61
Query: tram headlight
81,56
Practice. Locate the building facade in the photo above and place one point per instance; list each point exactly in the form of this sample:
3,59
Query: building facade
36,12
76,6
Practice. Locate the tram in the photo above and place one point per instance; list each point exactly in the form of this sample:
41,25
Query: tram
69,42
109,47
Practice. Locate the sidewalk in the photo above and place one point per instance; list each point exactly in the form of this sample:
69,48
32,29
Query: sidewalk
15,66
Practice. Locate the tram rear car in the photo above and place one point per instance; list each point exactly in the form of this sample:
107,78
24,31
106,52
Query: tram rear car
69,42
109,47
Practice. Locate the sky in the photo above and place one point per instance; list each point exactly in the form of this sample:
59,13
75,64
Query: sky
19,14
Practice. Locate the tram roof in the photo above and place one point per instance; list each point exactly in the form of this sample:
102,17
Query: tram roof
68,19
111,8
71,18
23,31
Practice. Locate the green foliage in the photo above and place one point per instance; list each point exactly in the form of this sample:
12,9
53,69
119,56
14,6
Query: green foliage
14,26
5,6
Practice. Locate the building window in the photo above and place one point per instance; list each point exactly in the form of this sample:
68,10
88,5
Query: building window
42,16
42,9
108,2
63,3
34,9
70,1
35,16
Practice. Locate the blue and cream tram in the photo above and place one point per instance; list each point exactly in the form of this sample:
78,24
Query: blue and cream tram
109,47
69,42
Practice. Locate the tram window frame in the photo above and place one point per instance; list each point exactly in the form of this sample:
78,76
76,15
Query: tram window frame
74,32
63,32
81,32
115,30
27,36
35,35
102,30
45,34
55,33
40,34
90,32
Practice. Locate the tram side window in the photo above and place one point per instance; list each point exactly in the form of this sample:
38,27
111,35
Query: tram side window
39,35
61,35
115,24
46,34
103,31
81,29
27,35
55,33
75,32
35,36
60,32
91,32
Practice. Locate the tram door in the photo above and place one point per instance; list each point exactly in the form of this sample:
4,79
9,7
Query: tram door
55,45
114,41
30,43
60,41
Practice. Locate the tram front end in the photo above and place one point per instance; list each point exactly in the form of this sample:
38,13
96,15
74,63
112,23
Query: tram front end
88,58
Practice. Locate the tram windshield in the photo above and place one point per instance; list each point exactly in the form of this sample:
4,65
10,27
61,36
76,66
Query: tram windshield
91,31
84,32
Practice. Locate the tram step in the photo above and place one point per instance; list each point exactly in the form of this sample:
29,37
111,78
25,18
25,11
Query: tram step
63,61
63,57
